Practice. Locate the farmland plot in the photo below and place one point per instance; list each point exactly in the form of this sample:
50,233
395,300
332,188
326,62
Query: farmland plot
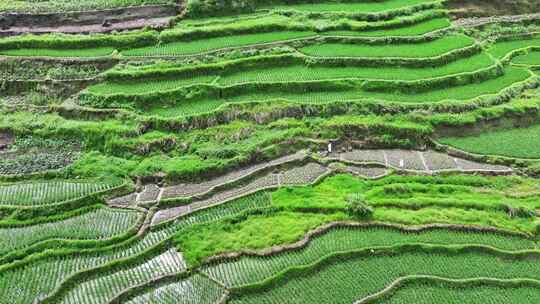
355,7
517,142
248,270
100,224
357,277
452,294
49,192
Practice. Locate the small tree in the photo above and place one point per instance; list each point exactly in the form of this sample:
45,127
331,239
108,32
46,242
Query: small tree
358,206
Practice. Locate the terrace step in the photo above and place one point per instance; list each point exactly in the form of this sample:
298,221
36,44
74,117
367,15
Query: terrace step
429,162
152,193
303,175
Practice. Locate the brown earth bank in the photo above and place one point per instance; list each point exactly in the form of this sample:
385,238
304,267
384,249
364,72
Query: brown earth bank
89,21
484,8
6,139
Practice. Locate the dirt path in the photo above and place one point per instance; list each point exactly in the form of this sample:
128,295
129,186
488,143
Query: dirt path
479,21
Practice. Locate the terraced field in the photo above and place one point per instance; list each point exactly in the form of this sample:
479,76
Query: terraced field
267,152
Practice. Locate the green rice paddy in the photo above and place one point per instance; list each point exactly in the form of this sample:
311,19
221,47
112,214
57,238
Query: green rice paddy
516,142
421,50
353,7
210,44
503,48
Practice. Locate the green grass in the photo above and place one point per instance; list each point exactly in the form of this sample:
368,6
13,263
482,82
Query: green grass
413,30
249,270
468,200
503,48
415,50
421,293
353,7
518,142
94,52
210,44
255,232
352,278
532,59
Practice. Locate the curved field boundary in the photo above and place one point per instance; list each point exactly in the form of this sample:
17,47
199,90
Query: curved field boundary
105,189
308,238
419,162
455,283
267,182
116,263
295,271
296,58
202,190
231,111
151,285
247,86
402,160
499,159
41,245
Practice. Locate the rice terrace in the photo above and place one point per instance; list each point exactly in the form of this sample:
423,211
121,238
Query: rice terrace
269,151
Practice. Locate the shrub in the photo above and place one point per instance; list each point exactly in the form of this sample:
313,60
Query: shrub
358,206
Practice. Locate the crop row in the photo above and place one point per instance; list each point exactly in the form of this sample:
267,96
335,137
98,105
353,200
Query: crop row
432,48
107,285
49,192
252,269
197,289
322,96
294,71
351,6
189,30
421,28
98,224
516,142
204,38
349,277
473,291
46,273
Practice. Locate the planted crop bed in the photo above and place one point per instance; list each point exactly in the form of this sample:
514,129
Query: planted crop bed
503,48
210,44
422,50
48,192
94,225
457,293
356,7
249,270
516,142
355,277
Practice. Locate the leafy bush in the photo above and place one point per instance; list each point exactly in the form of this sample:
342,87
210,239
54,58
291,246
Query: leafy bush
358,206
